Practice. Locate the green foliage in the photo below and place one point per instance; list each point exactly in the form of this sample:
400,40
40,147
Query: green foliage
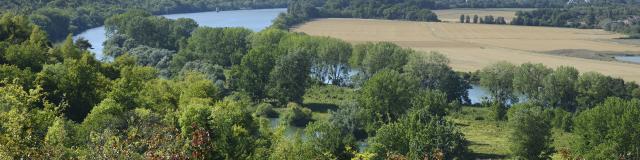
16,75
220,46
593,88
14,28
561,119
296,115
559,88
196,88
388,94
265,110
332,61
127,88
252,75
419,136
432,101
289,78
528,80
435,74
608,131
611,16
108,115
531,135
24,124
327,140
370,58
77,82
153,31
498,79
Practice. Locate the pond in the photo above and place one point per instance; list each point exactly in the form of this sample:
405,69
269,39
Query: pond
255,20
632,59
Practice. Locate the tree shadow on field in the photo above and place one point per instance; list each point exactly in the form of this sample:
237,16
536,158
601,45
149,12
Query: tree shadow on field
321,107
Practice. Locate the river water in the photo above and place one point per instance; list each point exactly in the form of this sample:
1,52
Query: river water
255,20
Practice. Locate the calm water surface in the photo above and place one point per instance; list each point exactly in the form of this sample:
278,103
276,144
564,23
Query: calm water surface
632,59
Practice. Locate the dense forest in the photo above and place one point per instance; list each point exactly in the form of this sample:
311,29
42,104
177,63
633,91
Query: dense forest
61,17
179,91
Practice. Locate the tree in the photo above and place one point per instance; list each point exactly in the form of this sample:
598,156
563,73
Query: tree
296,115
608,130
593,88
433,101
434,74
388,94
331,63
108,115
219,46
498,79
559,88
528,80
252,75
289,78
419,136
371,58
475,18
325,139
77,82
531,136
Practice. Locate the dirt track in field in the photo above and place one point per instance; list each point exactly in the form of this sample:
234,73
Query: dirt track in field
473,46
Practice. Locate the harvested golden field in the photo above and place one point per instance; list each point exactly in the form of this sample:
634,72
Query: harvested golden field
453,15
473,46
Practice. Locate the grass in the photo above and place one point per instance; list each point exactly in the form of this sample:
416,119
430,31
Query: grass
490,138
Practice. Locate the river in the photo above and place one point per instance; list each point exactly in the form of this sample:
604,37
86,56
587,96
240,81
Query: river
255,20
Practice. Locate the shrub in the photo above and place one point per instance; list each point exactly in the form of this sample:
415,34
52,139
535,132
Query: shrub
297,115
265,110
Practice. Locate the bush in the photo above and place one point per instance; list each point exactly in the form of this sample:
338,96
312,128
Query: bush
297,115
531,136
265,110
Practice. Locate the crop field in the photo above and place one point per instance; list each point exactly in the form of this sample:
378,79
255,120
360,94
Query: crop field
473,46
453,15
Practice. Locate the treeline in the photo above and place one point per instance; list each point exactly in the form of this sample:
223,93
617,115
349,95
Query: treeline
611,17
585,104
301,11
500,4
488,19
62,17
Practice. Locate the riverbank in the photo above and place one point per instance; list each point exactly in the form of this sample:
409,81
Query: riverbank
253,19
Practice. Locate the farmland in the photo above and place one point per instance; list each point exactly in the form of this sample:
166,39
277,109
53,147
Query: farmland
473,46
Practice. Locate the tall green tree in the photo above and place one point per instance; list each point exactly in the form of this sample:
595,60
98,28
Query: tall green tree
559,88
388,94
531,136
252,75
528,80
498,79
289,78
77,82
434,73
